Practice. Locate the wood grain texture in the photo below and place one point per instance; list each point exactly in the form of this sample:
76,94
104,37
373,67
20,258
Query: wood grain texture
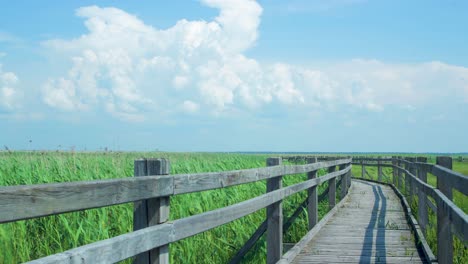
29,201
152,211
364,230
128,245
312,199
274,216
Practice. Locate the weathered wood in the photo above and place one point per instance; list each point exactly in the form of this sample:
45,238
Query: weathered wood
187,183
274,218
341,235
412,170
152,211
331,189
399,174
379,169
363,170
128,245
394,172
450,179
343,182
458,219
422,197
312,205
29,201
444,234
294,251
262,228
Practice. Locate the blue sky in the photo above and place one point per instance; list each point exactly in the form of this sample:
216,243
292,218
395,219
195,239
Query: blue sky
213,75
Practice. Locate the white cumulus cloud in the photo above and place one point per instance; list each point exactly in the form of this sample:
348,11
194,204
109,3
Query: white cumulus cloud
10,95
129,69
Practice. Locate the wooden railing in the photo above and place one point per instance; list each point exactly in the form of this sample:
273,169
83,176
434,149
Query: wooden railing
409,175
150,191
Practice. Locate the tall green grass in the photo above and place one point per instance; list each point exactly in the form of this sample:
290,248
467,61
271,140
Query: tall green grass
31,239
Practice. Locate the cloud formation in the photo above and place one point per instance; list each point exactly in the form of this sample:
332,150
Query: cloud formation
10,95
128,68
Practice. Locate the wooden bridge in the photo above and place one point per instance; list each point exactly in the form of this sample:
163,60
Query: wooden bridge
372,222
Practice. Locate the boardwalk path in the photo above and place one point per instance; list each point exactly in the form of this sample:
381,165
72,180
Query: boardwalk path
370,228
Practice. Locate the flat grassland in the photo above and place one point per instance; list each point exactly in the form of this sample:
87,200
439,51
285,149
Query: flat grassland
31,239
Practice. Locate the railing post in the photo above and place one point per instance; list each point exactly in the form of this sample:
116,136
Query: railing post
152,211
274,218
312,199
331,189
407,166
399,174
379,169
444,234
412,170
443,185
394,171
422,198
363,170
349,175
343,182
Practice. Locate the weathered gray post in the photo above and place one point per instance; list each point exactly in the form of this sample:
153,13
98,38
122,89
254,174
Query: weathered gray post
444,234
442,184
349,175
407,184
399,174
312,199
274,218
363,170
152,211
331,189
379,169
422,198
344,181
394,171
412,170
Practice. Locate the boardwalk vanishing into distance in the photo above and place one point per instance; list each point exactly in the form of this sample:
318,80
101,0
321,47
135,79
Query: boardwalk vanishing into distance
370,227
372,223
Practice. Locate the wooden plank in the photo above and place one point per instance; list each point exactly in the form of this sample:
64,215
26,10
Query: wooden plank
294,251
274,218
29,201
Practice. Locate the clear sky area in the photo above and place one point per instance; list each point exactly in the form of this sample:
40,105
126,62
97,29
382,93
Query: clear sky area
235,75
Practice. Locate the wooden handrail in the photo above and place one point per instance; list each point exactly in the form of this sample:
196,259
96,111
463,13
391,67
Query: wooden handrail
30,201
128,245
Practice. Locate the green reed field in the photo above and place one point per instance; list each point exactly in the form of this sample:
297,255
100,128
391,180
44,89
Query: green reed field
30,239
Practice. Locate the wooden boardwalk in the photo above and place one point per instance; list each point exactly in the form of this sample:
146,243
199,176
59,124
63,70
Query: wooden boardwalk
370,227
